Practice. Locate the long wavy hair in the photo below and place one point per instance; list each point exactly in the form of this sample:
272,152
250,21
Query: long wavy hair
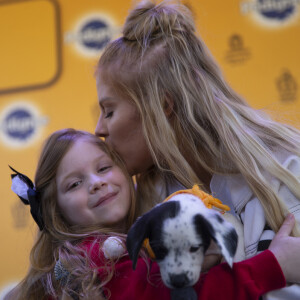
60,240
159,63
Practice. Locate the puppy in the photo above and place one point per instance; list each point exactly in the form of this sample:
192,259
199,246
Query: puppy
179,233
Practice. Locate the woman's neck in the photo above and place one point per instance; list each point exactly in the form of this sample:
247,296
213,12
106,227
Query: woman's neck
203,175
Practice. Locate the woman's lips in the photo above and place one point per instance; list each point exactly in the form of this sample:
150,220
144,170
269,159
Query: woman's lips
105,198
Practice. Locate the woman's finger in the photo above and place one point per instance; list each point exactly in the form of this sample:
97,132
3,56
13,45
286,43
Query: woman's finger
287,226
286,250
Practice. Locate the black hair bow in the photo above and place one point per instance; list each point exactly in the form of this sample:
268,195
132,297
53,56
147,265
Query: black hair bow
26,191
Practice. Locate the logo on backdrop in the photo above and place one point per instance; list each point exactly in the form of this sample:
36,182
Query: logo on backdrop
237,52
91,34
287,86
271,13
20,124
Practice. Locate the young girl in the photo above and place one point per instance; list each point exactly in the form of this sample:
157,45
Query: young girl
168,111
82,197
81,190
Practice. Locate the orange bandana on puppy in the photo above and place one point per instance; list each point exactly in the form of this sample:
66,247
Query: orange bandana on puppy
208,200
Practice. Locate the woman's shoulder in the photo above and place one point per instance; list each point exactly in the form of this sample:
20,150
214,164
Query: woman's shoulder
235,188
236,181
289,160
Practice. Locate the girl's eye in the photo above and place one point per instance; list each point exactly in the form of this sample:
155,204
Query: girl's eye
103,169
108,115
74,185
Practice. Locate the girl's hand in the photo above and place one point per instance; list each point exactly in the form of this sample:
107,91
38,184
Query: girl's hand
287,250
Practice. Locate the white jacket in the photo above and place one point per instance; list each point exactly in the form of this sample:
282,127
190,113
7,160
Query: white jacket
235,192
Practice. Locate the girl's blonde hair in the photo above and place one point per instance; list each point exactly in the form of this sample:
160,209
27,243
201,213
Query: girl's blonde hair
162,65
60,240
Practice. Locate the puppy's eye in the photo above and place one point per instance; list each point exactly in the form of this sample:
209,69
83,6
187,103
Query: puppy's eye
160,252
194,248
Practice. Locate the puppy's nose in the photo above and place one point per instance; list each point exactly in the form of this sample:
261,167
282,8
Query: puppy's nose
179,280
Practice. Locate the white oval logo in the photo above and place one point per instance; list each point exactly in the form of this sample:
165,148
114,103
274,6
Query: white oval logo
20,124
92,33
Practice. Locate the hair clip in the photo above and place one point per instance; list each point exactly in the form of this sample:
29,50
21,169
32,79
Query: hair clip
63,277
61,274
24,188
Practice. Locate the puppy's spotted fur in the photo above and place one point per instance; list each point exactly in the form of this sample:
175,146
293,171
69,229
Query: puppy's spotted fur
179,232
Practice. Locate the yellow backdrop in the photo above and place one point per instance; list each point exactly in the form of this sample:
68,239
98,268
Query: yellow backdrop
48,52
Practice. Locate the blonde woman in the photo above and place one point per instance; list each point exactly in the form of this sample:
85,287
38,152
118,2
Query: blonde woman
170,114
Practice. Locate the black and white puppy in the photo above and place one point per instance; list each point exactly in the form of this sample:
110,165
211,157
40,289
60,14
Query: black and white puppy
179,233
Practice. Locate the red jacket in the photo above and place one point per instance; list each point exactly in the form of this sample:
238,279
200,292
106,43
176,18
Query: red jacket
247,280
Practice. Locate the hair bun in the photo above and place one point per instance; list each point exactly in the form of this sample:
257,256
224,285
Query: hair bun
149,21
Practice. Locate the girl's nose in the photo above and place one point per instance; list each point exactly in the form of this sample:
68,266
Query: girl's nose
96,183
101,128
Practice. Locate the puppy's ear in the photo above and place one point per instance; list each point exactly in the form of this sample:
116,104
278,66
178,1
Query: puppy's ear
136,235
221,231
145,225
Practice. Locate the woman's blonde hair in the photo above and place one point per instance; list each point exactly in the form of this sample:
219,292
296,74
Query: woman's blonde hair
60,240
162,65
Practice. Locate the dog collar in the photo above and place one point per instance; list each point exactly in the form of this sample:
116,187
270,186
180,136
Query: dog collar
208,200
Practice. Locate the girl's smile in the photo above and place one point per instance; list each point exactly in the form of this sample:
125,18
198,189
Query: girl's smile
105,199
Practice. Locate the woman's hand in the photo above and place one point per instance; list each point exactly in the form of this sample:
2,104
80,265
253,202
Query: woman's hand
287,250
212,257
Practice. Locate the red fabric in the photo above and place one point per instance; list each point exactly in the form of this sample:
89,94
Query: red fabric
247,280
